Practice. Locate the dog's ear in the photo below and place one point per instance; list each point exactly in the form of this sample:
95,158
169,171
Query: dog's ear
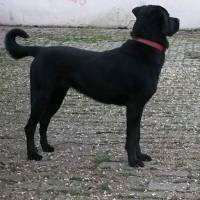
165,23
136,11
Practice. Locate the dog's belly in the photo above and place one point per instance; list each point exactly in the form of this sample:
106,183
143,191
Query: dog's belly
111,92
101,94
115,99
120,99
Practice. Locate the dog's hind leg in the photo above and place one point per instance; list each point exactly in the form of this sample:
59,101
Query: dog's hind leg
54,103
38,101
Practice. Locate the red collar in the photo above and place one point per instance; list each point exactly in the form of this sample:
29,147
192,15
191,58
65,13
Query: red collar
151,43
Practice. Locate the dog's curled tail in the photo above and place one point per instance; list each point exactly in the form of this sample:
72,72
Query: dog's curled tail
15,50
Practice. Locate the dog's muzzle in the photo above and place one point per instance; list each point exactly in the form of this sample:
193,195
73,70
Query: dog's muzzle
174,25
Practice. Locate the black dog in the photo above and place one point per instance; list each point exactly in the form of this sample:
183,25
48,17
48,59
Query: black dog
125,76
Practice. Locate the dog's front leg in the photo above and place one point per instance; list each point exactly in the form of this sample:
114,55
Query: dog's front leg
133,115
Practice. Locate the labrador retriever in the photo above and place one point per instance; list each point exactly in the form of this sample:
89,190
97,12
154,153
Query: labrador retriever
125,76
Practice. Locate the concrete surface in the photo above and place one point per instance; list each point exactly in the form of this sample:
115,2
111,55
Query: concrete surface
89,161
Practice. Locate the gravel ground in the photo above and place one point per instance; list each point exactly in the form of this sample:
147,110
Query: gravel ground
89,161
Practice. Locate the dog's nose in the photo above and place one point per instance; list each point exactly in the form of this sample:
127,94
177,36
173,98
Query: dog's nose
177,20
177,23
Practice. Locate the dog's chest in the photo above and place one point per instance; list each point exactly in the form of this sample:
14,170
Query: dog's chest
117,87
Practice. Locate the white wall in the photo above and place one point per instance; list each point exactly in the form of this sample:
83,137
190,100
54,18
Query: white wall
107,13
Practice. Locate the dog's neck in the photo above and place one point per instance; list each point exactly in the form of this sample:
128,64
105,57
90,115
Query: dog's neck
151,43
142,51
156,37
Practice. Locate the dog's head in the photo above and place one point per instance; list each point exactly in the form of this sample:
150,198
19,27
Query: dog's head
153,21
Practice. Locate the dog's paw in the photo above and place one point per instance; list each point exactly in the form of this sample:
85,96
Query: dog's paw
34,156
136,163
144,157
47,148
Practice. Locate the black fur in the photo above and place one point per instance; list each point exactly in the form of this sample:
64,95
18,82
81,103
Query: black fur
126,76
